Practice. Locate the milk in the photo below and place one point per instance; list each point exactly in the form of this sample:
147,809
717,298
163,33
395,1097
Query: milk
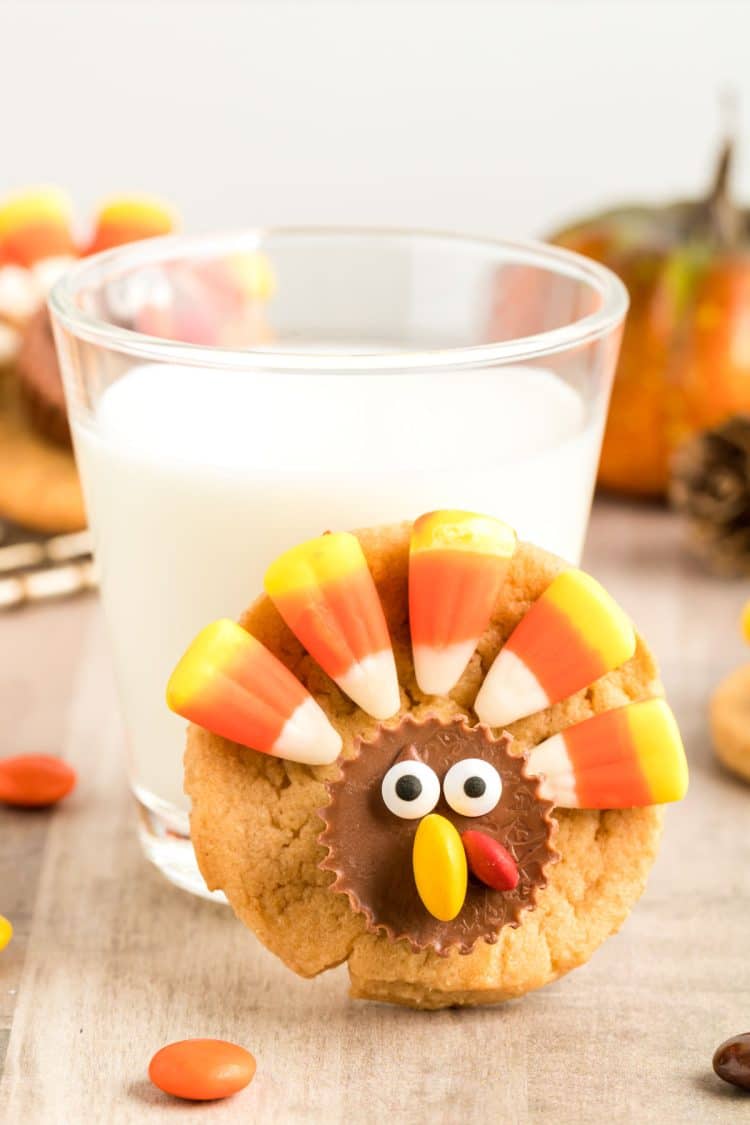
195,480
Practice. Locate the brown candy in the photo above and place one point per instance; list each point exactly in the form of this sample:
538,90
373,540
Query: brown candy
732,1060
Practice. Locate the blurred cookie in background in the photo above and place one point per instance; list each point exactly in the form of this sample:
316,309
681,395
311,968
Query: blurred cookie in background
39,380
730,714
39,486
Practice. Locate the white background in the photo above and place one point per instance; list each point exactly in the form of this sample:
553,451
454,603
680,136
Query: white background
498,117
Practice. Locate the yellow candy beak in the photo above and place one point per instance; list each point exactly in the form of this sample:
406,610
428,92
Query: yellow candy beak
440,870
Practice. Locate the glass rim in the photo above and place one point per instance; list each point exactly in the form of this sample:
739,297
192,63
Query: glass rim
91,272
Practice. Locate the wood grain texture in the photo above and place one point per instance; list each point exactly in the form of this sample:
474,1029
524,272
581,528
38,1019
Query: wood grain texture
110,962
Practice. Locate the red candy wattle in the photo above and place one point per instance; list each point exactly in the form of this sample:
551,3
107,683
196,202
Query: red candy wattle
489,861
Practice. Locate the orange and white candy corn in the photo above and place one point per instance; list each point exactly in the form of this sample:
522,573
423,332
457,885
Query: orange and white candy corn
620,759
130,219
229,683
457,564
34,225
325,593
573,634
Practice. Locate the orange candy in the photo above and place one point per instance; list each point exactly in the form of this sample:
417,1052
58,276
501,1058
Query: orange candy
202,1069
34,780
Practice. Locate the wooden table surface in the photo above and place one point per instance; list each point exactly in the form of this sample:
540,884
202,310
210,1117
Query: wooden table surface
109,961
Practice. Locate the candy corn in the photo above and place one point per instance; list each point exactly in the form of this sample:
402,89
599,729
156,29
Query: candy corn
440,869
326,595
618,759
457,563
35,224
129,219
230,684
573,634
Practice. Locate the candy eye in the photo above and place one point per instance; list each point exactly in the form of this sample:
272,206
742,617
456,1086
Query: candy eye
410,790
472,787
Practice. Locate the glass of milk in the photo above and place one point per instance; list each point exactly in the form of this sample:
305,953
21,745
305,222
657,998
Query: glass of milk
232,396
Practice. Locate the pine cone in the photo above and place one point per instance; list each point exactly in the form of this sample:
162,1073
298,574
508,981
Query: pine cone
710,486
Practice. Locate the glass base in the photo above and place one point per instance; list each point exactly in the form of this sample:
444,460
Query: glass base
164,832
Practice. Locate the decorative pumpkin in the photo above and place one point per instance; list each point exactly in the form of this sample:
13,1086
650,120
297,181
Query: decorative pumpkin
685,358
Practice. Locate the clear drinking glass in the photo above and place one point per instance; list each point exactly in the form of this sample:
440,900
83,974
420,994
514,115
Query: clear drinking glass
231,396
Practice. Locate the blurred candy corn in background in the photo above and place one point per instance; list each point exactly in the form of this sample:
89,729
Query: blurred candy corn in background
36,226
130,219
221,303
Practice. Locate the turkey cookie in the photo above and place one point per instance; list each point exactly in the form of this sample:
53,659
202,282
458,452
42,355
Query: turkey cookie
433,753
